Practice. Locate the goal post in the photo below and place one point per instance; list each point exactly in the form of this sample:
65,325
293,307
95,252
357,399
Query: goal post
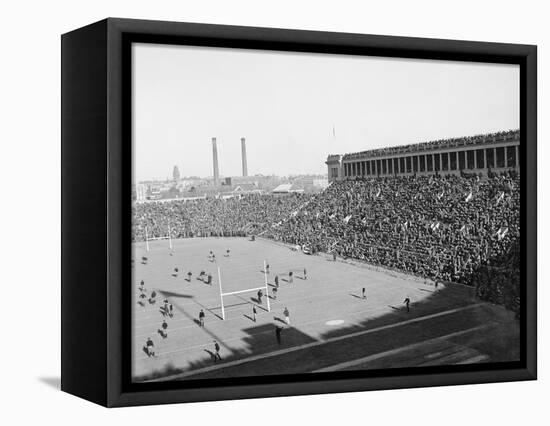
165,237
246,290
266,288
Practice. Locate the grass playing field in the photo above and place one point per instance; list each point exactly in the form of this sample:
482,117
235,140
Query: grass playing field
331,326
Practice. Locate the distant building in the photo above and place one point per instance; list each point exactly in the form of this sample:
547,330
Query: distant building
287,188
176,174
141,192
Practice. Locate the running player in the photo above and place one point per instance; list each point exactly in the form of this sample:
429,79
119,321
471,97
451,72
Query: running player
286,313
278,333
201,318
407,302
164,329
260,294
217,349
254,312
150,347
305,274
277,281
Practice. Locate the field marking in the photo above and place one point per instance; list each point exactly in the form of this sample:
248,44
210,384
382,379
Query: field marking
318,343
474,359
384,354
275,303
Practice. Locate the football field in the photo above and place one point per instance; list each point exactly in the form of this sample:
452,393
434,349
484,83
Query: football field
332,327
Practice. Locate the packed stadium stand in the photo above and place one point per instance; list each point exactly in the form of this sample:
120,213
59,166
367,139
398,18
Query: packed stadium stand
448,227
479,153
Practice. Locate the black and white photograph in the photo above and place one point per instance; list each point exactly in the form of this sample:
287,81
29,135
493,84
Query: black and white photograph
298,213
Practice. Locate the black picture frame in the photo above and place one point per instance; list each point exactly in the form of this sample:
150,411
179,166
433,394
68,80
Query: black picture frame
96,180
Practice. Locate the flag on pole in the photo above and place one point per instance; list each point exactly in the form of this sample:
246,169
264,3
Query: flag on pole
347,218
500,197
435,226
469,197
501,233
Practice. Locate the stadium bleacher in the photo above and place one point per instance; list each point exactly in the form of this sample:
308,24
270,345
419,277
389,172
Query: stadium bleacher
460,229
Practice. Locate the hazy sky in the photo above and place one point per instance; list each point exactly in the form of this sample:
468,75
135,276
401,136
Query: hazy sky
287,104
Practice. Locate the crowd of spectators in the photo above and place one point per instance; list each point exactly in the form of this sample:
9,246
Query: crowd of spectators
439,144
237,216
463,229
441,228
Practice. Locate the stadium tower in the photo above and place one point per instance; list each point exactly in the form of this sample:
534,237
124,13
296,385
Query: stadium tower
215,162
176,174
243,155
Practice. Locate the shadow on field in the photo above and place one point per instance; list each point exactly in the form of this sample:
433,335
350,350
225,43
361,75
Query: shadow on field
259,340
443,299
167,294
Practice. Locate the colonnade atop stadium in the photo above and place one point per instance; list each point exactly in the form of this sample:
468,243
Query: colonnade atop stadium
477,154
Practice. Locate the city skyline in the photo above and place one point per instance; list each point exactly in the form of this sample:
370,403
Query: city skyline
294,108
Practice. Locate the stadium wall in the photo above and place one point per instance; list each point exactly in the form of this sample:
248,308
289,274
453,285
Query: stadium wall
487,153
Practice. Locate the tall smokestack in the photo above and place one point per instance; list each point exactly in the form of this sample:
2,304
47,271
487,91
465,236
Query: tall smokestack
243,154
215,162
